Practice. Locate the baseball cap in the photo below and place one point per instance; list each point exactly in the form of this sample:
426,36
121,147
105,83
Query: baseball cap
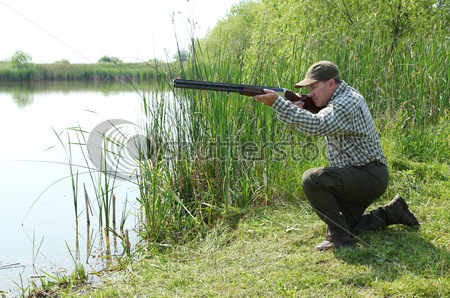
319,71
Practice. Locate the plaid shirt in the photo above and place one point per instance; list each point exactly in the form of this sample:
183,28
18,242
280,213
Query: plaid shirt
346,123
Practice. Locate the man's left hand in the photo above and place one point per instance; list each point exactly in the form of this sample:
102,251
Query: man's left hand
268,98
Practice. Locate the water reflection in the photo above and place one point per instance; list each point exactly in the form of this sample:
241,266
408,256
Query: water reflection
104,87
22,99
22,93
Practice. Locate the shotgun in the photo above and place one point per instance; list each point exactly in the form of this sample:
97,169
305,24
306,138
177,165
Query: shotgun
247,90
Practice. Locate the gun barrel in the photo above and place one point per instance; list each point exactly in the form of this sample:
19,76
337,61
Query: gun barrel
247,90
192,84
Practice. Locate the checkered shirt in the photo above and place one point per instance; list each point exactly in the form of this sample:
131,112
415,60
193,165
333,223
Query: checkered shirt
346,122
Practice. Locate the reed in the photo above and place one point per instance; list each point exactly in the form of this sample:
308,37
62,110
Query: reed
103,182
162,205
225,145
212,155
138,72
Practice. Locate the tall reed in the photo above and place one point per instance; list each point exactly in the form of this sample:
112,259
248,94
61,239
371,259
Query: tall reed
212,155
78,72
228,153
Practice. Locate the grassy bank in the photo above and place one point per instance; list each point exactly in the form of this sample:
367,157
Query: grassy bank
269,252
80,72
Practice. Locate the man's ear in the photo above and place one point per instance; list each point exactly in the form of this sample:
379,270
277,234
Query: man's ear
332,83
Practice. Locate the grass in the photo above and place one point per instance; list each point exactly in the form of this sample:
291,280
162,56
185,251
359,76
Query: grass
80,72
269,252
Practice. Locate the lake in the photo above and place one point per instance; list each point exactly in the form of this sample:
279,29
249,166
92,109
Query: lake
37,214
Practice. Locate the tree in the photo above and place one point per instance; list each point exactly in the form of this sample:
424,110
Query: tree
388,19
232,36
62,61
21,59
181,56
107,59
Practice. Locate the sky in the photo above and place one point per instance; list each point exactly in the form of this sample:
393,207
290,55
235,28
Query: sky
83,31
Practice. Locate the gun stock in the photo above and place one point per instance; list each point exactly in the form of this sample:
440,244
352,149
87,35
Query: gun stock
246,90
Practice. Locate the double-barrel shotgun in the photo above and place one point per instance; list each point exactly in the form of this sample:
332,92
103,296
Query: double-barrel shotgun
247,90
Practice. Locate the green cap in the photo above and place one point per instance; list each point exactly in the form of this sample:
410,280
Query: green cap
319,71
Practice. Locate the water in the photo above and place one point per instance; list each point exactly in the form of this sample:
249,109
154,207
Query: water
37,217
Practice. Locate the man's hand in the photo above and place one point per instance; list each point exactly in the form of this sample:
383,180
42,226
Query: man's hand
270,96
268,99
299,103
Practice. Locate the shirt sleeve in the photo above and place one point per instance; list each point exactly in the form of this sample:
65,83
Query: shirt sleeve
335,119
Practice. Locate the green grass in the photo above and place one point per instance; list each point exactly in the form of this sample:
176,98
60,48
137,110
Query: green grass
80,72
269,252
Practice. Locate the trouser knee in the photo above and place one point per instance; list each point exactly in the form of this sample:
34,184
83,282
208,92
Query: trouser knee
309,179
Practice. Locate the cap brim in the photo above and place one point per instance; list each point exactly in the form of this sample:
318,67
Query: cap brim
305,82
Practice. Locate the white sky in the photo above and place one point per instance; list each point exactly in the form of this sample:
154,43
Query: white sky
83,31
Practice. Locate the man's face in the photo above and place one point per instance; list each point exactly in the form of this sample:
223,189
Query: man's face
321,92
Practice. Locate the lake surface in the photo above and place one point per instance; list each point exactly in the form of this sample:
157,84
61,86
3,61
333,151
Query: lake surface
37,214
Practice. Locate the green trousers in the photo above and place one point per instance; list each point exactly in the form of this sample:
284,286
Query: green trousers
340,197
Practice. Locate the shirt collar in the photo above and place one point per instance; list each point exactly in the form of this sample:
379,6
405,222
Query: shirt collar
342,86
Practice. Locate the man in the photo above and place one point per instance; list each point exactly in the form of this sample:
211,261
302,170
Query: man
358,173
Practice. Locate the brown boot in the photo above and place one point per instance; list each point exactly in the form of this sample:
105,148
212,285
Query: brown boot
398,213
